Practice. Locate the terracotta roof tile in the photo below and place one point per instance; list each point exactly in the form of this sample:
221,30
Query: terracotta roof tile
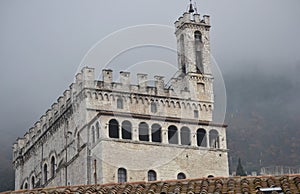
231,185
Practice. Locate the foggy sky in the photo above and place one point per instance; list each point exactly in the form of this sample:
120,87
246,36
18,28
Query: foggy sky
43,42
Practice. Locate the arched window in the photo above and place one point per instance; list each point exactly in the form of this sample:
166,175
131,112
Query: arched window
182,54
45,172
32,182
156,133
98,130
185,136
181,175
198,51
172,134
120,103
113,128
151,175
122,175
153,107
143,131
126,130
93,134
201,138
26,186
52,166
214,139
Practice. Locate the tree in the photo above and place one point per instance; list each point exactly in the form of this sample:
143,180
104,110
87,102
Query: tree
239,170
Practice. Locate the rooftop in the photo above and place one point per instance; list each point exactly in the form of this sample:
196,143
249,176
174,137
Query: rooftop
257,184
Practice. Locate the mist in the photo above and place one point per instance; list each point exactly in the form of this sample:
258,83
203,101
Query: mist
255,44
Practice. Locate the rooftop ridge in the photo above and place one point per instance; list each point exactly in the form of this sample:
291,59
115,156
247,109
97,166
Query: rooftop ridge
183,181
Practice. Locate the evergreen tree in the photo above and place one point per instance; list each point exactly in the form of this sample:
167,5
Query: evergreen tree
239,170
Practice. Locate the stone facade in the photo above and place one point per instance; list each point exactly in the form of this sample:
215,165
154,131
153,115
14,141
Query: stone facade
102,131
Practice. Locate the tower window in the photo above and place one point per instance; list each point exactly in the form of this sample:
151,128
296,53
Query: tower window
198,52
214,139
32,182
172,134
126,130
182,54
113,128
201,137
45,171
151,175
143,131
52,166
98,130
153,107
93,134
120,103
122,175
185,136
25,186
181,176
156,133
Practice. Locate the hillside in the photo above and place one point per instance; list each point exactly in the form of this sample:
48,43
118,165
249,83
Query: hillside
263,116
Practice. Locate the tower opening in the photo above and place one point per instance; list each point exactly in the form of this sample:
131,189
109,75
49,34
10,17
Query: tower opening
198,52
182,55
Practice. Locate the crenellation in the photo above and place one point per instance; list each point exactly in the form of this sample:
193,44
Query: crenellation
186,17
159,84
197,18
206,19
125,80
55,110
107,76
142,80
78,78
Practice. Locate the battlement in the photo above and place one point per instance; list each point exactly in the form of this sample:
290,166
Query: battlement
192,19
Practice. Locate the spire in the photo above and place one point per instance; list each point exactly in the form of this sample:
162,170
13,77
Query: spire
191,10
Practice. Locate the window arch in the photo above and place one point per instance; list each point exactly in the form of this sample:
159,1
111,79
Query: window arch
122,175
153,106
143,131
185,136
214,139
93,134
156,133
120,103
181,175
198,51
152,175
113,128
201,137
45,172
25,185
52,166
98,130
172,134
32,182
126,130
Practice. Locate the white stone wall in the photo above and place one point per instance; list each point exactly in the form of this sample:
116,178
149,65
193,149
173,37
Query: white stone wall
167,161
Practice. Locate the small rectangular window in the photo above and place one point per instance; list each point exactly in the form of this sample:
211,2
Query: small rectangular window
196,114
119,103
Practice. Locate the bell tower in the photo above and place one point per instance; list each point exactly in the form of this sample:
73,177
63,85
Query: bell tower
193,43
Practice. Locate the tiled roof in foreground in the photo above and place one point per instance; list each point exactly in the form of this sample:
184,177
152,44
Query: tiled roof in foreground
288,184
